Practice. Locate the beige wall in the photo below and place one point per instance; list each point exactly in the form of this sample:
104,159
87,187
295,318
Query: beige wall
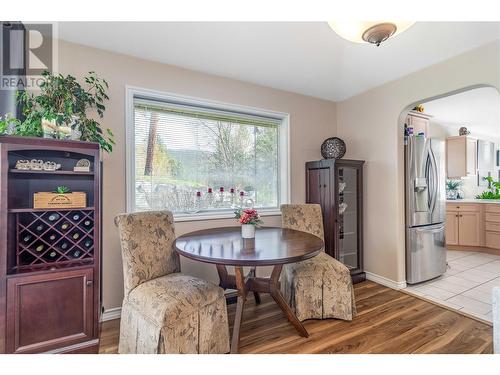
369,123
311,121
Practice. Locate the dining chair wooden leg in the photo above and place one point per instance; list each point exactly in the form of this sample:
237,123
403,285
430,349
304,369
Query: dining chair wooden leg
256,295
223,276
280,300
240,304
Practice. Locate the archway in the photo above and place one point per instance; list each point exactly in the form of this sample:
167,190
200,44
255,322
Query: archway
477,107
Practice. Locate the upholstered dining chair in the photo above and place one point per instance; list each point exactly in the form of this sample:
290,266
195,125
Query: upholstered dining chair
165,311
320,287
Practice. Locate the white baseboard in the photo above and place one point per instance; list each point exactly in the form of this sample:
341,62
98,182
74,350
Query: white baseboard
111,314
385,281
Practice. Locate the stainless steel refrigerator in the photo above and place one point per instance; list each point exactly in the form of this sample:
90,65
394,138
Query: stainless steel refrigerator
425,209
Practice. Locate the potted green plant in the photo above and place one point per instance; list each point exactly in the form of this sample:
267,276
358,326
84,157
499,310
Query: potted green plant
65,109
452,187
62,190
493,192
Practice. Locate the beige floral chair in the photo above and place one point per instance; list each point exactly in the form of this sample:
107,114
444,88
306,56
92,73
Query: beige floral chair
320,287
165,311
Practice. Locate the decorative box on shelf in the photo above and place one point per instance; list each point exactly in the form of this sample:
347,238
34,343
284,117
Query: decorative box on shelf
55,200
83,165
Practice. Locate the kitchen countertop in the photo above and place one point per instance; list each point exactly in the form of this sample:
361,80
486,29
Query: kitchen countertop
497,201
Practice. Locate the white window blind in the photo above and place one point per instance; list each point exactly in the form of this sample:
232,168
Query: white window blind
182,152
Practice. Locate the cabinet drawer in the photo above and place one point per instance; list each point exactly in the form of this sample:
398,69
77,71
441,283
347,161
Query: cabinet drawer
493,208
493,240
493,217
492,227
463,207
470,208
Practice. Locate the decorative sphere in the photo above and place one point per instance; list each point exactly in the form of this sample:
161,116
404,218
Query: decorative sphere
463,131
333,148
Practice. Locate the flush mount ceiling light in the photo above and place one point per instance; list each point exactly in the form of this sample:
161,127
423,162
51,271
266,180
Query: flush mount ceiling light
369,32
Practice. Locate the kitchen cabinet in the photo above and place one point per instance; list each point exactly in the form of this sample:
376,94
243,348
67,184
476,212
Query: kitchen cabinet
418,121
493,240
471,225
464,225
461,156
337,186
469,228
451,228
492,235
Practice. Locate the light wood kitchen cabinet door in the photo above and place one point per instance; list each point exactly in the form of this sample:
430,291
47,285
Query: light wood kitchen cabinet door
451,228
461,156
456,157
419,124
469,228
493,240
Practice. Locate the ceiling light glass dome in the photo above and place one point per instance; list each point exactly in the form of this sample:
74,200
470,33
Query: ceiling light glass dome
369,32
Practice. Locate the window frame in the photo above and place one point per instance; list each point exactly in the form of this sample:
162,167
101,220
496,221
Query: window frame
283,147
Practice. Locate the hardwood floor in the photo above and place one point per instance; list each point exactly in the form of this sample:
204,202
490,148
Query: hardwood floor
388,321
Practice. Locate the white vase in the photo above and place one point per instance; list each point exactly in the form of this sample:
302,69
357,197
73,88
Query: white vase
248,231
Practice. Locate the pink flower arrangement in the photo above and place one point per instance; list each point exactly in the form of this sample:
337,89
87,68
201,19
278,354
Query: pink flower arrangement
251,217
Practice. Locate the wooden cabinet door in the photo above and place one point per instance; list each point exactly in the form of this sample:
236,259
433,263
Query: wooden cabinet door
419,125
327,209
313,189
452,228
461,156
493,240
49,311
456,157
469,228
348,222
319,188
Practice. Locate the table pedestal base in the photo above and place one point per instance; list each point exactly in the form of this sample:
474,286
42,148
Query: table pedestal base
252,283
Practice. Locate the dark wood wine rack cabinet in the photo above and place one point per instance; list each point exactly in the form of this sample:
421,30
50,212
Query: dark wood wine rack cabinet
337,186
49,258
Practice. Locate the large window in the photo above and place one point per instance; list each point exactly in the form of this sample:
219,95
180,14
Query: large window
198,158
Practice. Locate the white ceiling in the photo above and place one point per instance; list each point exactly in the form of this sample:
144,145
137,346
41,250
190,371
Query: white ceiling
477,109
302,57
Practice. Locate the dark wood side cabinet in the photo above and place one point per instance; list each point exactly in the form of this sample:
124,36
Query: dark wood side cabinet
49,258
337,185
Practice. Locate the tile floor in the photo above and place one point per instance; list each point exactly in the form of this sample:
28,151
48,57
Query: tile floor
467,284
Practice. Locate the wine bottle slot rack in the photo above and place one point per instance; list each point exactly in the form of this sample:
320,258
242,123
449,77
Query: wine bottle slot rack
54,237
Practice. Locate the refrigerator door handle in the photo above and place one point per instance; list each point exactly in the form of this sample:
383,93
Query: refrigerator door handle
435,191
434,230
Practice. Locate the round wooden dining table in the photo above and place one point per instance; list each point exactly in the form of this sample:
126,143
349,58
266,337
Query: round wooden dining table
270,247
